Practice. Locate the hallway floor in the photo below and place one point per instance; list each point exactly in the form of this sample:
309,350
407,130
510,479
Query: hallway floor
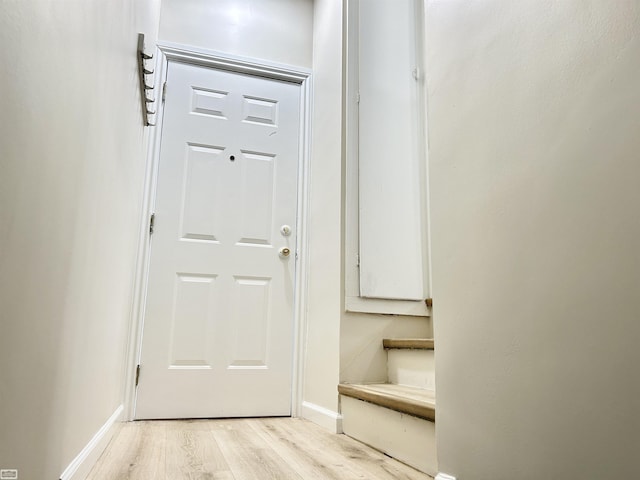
241,449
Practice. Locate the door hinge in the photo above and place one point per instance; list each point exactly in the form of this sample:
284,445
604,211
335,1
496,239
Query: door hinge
358,97
137,375
357,259
164,91
152,223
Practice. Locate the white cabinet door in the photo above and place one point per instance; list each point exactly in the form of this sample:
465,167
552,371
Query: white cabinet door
218,329
391,153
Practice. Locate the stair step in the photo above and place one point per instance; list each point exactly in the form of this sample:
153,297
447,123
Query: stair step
412,367
401,398
408,343
394,419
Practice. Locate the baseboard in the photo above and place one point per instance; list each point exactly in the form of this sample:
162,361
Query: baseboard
80,467
324,417
444,476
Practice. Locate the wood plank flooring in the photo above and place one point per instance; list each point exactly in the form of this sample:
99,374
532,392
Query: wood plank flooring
241,449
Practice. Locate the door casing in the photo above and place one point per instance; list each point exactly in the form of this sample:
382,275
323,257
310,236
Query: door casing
166,52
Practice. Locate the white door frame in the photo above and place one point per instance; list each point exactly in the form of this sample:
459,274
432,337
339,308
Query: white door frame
166,52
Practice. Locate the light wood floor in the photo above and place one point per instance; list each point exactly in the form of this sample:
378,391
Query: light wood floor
241,449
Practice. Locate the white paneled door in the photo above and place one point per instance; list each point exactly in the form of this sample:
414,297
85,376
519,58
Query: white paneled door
218,329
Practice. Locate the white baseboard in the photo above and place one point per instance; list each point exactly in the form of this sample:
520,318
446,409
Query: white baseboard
444,476
80,467
324,417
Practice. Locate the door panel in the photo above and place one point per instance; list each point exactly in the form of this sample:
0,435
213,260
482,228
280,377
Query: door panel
218,332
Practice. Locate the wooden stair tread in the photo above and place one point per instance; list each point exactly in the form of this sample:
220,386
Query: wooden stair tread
409,343
410,400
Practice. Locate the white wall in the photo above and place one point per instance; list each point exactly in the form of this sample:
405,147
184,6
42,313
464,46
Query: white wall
72,154
325,247
274,30
534,114
362,358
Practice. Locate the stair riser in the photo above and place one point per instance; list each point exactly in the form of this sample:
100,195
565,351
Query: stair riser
406,438
415,368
